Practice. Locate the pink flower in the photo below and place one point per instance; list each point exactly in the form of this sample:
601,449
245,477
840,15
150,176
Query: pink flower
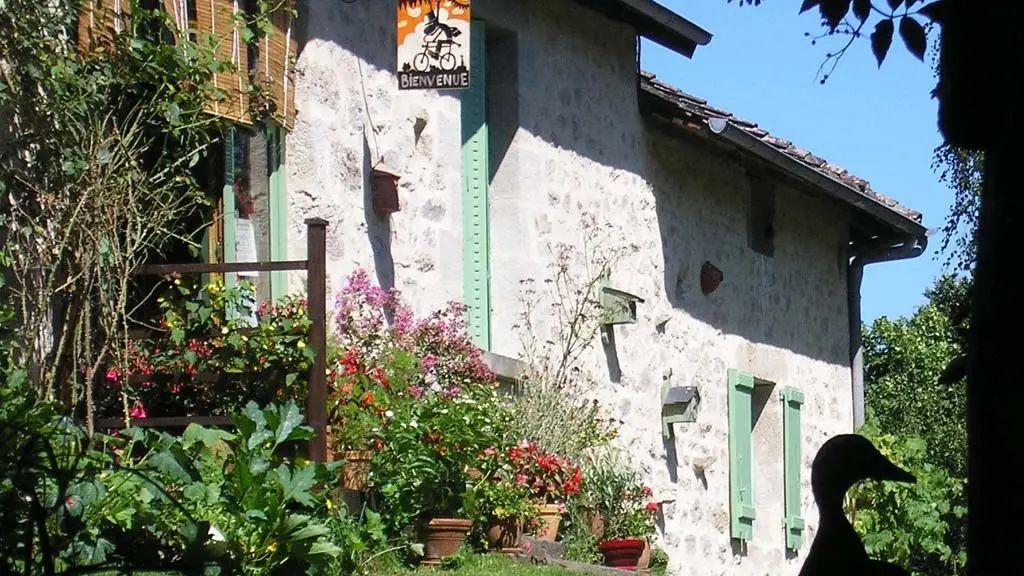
112,375
138,411
429,361
490,451
416,392
652,506
452,393
520,479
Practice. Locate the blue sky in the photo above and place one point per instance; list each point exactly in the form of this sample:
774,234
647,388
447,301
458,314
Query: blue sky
879,124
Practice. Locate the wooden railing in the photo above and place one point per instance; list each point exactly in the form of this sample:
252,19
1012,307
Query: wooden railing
315,266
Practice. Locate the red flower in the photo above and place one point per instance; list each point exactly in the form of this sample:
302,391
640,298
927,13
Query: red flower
368,399
652,506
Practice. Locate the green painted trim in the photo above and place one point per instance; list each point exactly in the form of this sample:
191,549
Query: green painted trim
278,210
741,481
476,274
230,215
793,400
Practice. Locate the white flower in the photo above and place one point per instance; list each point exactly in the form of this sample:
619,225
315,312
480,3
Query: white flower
389,414
414,424
435,387
431,379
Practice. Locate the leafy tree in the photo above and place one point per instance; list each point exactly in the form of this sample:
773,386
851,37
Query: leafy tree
903,362
908,524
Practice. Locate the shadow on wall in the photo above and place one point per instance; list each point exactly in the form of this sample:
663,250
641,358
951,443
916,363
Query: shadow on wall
367,28
577,78
702,216
378,230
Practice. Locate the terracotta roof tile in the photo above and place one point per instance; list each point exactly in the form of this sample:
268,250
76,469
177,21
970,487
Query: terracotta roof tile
698,111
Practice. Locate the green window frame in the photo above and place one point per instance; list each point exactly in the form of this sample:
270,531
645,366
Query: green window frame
793,401
277,205
475,193
741,481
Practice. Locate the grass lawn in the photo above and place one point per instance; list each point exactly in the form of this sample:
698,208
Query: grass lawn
485,565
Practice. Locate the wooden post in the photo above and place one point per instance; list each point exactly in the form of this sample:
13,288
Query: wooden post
316,401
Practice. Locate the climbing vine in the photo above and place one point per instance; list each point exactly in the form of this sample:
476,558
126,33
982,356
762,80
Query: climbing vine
99,153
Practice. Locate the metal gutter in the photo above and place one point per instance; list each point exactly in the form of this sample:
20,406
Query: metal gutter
654,22
912,247
831,186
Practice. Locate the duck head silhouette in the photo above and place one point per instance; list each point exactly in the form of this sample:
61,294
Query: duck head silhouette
841,462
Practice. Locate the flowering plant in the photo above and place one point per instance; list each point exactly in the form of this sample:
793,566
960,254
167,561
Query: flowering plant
545,478
360,397
374,323
614,490
208,357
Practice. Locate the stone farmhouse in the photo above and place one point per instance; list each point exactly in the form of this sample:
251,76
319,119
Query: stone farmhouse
746,251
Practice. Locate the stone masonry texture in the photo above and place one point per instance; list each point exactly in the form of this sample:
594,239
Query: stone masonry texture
580,146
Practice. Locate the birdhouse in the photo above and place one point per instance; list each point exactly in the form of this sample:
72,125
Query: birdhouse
385,191
679,405
617,307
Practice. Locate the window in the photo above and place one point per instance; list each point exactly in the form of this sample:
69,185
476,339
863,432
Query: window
764,443
761,219
252,222
270,62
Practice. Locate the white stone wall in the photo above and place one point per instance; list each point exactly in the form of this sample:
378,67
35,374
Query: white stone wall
583,146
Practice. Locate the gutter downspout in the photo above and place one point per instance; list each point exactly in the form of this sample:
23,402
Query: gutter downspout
911,248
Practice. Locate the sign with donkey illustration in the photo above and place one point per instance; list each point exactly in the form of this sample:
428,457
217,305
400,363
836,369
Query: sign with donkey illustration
433,44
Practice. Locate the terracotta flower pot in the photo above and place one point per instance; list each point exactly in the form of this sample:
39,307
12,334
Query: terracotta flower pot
356,469
503,533
645,558
622,553
549,517
442,537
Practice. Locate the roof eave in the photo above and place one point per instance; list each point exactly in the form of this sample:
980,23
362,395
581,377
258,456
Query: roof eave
829,185
654,22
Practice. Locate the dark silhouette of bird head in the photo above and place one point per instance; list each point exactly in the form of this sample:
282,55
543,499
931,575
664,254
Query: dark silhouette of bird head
847,459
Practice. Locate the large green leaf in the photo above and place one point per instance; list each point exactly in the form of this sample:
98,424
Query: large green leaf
290,419
309,531
295,487
324,547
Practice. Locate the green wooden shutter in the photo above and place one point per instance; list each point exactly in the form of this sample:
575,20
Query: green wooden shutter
793,400
229,203
278,210
741,483
475,175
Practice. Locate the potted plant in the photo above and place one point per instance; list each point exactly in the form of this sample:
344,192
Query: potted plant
504,499
628,512
429,446
358,410
551,480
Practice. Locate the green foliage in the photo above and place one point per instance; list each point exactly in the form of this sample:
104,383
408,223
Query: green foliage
903,359
67,505
208,330
909,524
613,489
99,172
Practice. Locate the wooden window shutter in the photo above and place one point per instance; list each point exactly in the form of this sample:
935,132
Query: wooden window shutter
793,401
219,19
475,197
99,21
741,484
278,52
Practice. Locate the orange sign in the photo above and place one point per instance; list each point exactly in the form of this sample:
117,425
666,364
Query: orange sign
433,44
